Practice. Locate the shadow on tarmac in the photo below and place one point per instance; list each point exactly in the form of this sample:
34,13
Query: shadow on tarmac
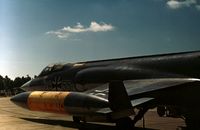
80,126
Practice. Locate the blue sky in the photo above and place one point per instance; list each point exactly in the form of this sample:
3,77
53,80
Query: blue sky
35,33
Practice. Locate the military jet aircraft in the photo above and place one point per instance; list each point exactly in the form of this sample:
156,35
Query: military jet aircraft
110,90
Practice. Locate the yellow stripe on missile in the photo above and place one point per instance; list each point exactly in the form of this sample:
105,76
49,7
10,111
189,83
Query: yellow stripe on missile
47,101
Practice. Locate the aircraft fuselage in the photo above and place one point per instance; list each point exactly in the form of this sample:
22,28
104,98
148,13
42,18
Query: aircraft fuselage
82,76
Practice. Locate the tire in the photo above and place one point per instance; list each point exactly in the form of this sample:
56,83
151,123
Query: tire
124,124
76,119
161,111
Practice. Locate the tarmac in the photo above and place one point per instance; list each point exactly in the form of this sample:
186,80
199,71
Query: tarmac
13,117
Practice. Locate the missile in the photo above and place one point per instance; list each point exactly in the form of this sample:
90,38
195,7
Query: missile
71,103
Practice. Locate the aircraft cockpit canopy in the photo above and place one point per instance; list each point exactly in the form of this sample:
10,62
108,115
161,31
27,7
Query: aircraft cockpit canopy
51,68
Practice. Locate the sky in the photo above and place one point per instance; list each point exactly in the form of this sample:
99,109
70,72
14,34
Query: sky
35,33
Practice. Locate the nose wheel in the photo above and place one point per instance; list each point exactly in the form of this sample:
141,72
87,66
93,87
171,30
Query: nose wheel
76,119
125,124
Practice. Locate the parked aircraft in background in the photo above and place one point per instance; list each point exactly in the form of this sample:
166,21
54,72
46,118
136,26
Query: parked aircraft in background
109,90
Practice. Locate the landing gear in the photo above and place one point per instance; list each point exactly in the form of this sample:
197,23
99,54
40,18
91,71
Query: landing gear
192,124
125,124
122,102
80,125
192,121
161,110
140,115
76,119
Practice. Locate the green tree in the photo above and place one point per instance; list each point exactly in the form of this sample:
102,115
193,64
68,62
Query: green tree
8,85
1,83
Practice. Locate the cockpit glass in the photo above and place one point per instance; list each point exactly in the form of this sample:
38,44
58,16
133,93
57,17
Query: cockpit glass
45,71
51,68
57,67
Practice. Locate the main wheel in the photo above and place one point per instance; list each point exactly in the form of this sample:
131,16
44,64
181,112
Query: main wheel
76,119
192,124
161,110
124,124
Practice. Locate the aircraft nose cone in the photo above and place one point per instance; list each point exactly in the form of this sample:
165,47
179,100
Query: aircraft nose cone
21,99
26,86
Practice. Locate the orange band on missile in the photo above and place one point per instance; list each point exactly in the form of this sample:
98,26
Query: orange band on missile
47,101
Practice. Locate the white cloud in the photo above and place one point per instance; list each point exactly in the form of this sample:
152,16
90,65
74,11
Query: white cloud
173,4
79,28
95,27
176,4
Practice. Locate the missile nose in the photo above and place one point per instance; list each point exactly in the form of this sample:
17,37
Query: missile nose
21,99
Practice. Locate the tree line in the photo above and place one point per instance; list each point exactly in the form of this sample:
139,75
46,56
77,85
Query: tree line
10,87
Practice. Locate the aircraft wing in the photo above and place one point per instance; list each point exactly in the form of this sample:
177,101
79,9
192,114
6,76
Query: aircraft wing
138,90
136,87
